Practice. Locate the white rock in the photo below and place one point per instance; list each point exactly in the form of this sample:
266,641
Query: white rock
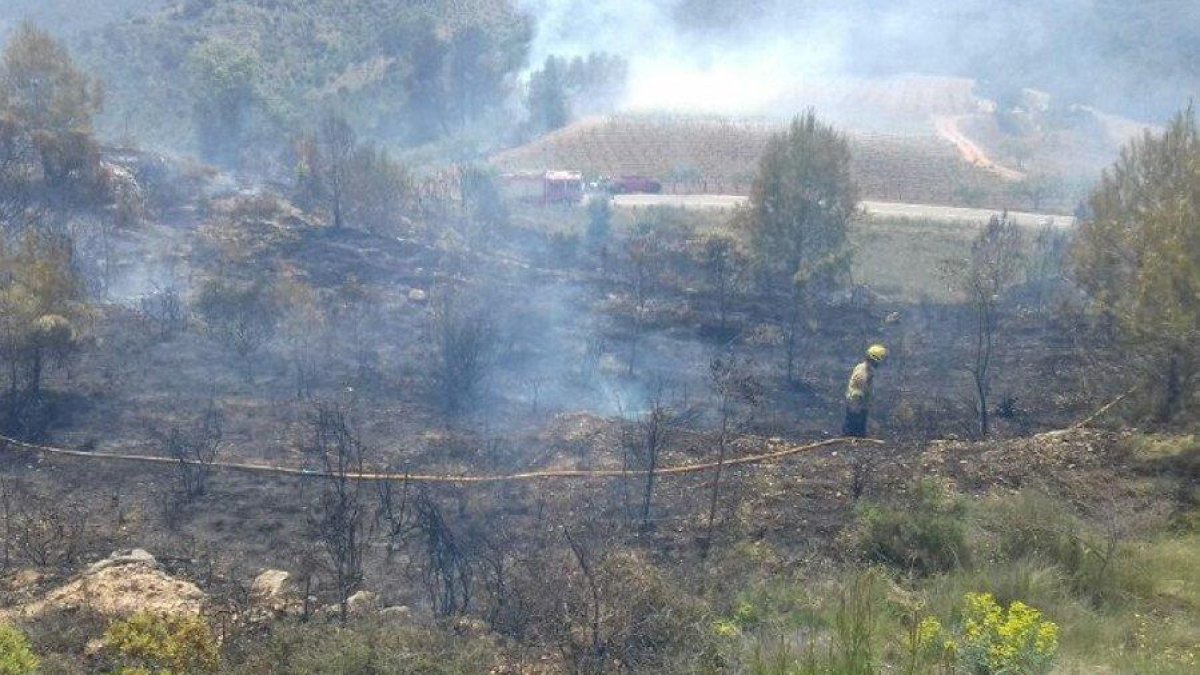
362,602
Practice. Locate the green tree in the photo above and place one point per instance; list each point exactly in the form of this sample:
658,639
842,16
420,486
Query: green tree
224,78
41,305
596,84
801,205
482,200
478,73
1138,257
549,108
427,85
47,152
599,219
378,192
723,264
336,141
41,87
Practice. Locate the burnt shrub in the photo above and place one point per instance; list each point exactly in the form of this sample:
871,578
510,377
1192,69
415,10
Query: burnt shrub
241,317
466,338
611,611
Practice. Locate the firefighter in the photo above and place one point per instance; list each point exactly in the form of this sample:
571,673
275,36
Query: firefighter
858,392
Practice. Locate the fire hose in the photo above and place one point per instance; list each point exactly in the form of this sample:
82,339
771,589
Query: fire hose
577,474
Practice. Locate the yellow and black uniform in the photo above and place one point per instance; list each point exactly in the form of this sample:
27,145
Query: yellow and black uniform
858,392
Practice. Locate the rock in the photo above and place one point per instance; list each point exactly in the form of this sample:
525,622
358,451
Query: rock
362,602
396,612
133,556
417,295
274,591
122,585
471,627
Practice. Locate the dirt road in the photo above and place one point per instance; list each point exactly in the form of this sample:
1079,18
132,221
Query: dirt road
874,209
948,128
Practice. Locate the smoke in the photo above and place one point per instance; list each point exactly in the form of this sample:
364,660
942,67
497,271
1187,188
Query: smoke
758,57
672,69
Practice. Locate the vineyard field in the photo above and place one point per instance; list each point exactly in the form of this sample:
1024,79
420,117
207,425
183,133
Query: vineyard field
718,156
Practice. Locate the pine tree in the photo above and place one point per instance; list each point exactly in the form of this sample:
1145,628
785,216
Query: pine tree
801,205
1138,257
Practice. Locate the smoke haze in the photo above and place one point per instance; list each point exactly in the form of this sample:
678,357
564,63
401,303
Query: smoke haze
743,58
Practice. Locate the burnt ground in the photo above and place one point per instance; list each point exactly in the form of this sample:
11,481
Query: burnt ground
561,395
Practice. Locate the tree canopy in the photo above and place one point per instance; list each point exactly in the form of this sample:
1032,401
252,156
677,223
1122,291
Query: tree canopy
801,204
1138,257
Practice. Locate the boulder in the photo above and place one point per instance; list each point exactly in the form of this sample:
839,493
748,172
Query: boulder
396,612
275,592
362,603
120,586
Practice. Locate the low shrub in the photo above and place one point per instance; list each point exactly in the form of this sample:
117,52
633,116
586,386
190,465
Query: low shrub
842,630
374,645
163,644
16,657
925,535
1032,525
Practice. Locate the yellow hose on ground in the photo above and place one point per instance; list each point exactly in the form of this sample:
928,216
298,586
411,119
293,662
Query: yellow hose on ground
430,478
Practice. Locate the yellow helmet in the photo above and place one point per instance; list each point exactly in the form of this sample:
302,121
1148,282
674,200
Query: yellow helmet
877,353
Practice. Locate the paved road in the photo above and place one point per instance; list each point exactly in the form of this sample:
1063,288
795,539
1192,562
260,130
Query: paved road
945,214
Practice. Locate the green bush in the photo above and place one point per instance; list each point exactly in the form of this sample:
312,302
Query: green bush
369,646
16,658
162,644
1030,523
1033,526
925,535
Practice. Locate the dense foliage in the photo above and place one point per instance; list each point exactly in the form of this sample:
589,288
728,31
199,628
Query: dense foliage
407,72
1137,256
801,205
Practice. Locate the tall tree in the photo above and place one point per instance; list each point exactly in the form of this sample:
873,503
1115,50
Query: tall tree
41,307
1138,257
549,108
47,152
801,205
41,87
476,74
427,85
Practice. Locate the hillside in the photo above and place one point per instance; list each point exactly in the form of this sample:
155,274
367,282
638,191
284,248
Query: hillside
358,56
70,16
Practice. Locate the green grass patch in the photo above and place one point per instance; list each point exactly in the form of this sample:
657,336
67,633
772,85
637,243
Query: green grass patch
1121,604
